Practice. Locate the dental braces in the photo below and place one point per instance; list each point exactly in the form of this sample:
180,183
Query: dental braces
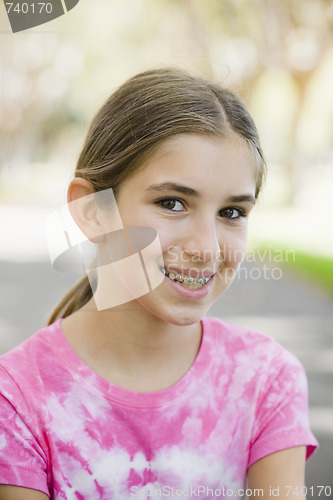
189,279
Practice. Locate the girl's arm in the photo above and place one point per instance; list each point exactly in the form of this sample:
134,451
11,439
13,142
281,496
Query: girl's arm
280,475
18,493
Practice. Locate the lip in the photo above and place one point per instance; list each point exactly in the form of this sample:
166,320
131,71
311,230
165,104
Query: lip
199,293
193,273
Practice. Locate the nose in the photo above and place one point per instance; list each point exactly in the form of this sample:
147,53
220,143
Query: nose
201,242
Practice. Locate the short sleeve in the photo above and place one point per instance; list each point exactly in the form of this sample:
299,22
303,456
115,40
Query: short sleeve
22,459
282,413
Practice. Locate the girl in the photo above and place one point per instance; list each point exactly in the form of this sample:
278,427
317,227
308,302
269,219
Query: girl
148,397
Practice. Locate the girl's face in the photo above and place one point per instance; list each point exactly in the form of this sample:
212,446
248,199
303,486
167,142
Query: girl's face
197,192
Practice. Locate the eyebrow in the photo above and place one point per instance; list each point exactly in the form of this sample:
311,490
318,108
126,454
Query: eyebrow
171,186
242,197
179,188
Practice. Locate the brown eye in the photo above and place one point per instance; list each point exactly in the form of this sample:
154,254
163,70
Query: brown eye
171,204
231,213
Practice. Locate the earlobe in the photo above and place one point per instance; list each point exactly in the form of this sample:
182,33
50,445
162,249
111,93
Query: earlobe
83,209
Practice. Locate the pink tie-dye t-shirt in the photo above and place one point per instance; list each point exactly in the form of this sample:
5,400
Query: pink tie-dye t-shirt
68,432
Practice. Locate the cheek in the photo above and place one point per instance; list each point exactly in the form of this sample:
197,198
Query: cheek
166,237
132,218
233,248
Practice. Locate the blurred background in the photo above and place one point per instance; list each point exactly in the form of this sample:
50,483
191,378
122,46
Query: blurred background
277,55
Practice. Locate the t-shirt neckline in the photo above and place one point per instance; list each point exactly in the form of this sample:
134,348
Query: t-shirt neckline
84,374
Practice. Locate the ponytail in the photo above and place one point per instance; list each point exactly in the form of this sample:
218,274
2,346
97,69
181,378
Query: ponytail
79,295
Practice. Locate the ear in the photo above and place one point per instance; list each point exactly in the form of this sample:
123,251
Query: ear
83,209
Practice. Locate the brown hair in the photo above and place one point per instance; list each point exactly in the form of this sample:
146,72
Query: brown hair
147,109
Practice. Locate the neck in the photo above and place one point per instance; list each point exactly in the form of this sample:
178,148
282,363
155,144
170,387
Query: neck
132,348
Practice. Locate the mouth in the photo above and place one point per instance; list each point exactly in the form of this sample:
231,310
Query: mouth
186,281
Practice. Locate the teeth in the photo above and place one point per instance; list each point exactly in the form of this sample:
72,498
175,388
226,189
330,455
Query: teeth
186,280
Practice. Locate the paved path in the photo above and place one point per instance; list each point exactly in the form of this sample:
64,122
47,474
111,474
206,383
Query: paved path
291,310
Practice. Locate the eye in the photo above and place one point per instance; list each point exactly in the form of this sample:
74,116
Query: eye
171,204
232,213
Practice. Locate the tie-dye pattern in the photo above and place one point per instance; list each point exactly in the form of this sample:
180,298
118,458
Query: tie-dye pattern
68,432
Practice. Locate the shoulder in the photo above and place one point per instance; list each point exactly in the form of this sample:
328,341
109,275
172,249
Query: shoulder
253,350
270,379
23,365
239,339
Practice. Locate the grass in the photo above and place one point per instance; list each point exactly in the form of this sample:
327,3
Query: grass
315,267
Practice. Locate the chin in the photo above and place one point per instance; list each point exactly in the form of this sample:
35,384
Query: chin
185,313
180,317
185,321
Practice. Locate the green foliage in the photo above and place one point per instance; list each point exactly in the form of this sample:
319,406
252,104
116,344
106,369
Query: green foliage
315,267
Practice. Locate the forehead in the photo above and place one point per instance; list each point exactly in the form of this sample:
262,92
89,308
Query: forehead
202,162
